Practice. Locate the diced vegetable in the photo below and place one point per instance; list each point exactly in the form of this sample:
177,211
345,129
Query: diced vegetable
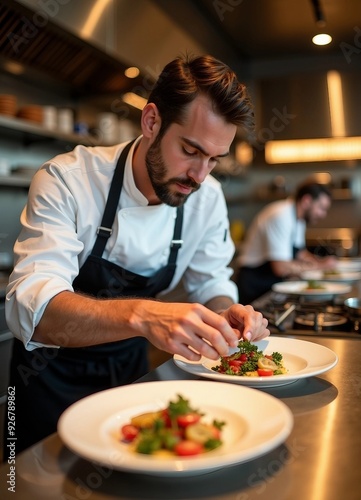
176,430
248,361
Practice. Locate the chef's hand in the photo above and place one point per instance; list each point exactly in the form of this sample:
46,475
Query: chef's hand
251,324
193,330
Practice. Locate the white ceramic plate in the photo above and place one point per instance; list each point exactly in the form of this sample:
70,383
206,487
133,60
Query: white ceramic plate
300,288
90,427
301,358
348,265
339,276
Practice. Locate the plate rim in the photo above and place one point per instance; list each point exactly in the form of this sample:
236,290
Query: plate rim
340,288
67,427
262,382
344,276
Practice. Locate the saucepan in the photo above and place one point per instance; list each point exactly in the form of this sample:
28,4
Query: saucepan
353,306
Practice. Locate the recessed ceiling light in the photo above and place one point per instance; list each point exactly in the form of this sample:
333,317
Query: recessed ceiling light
322,39
132,72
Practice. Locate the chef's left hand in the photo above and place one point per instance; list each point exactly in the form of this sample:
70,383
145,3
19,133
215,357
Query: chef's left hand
251,324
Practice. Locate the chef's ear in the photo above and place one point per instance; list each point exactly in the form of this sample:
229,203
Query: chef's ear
150,121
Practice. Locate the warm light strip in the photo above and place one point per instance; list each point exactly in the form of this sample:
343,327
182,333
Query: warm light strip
336,104
308,150
93,18
134,100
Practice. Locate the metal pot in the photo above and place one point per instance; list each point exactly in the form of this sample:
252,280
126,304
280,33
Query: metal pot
353,306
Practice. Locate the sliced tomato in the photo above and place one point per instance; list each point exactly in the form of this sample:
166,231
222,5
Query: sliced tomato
129,432
264,372
188,448
188,419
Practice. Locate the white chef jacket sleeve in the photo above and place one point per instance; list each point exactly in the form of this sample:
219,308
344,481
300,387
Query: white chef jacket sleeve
45,254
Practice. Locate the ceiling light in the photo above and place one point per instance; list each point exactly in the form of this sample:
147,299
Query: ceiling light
310,150
132,72
335,101
92,20
14,67
134,100
322,39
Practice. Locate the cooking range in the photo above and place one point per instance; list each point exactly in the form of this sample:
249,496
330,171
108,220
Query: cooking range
298,315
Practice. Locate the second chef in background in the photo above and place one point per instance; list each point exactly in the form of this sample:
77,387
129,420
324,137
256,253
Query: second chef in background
275,243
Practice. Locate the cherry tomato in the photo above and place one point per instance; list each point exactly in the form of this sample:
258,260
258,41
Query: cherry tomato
166,418
236,362
188,448
129,432
188,419
264,372
243,357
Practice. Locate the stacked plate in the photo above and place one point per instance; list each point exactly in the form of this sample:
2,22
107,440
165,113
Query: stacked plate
32,113
8,104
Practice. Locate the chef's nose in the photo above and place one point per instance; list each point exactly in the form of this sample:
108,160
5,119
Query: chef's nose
199,171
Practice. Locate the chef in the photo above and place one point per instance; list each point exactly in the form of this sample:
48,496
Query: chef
108,230
275,243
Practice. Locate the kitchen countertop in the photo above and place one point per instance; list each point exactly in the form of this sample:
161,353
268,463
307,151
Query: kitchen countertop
319,460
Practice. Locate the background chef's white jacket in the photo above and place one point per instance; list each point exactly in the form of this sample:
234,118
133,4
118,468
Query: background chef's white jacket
273,234
66,203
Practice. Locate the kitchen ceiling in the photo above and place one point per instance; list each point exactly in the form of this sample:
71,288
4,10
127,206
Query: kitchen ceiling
267,42
247,34
256,29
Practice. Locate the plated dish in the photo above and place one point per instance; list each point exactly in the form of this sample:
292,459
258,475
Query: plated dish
90,427
301,358
338,276
326,289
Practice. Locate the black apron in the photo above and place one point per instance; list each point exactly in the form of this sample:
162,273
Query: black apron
253,282
48,380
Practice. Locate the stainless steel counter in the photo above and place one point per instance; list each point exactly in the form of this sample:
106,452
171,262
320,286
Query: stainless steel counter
319,461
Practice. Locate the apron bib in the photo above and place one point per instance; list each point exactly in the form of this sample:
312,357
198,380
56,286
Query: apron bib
48,380
253,282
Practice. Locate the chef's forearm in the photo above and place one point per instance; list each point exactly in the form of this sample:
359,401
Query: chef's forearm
74,320
219,304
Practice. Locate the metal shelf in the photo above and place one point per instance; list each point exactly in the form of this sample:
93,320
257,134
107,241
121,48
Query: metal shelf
33,132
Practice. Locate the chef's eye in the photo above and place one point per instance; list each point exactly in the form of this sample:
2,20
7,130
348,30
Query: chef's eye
214,161
189,153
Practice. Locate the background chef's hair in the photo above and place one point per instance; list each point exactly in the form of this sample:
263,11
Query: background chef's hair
184,78
314,189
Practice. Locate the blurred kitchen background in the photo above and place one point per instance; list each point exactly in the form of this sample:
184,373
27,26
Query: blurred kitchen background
79,71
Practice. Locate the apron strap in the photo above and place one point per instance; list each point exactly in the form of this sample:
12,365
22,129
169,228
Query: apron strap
176,241
105,229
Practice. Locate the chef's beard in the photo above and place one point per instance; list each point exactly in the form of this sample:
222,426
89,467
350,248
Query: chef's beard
157,171
309,217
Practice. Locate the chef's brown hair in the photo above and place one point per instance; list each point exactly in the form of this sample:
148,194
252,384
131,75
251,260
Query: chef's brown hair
183,79
314,189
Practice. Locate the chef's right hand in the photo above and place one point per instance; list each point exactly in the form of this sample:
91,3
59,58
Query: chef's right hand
190,330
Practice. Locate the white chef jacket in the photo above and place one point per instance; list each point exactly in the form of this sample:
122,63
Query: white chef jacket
66,202
273,234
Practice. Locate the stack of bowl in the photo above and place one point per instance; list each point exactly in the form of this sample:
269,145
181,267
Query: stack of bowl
32,113
8,104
